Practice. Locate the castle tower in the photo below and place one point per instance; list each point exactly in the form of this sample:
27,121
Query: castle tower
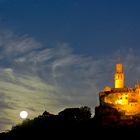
119,76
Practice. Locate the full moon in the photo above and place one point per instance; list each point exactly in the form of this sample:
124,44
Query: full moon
23,114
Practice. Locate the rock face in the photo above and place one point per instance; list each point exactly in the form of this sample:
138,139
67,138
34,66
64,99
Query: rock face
108,117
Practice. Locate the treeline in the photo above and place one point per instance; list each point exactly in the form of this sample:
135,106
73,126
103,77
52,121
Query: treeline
74,123
69,121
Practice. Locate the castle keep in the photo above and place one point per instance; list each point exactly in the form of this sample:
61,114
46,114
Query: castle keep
125,99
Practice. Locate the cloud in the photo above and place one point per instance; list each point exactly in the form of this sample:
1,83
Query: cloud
36,78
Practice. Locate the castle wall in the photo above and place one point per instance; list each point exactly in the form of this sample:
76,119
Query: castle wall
127,102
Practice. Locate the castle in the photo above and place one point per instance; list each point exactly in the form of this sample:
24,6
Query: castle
125,99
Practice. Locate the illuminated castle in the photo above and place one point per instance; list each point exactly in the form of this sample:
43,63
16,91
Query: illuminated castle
125,99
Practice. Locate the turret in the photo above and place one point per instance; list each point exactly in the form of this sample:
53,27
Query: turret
119,76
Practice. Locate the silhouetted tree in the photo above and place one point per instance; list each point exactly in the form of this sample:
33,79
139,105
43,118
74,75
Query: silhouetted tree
70,114
82,113
85,113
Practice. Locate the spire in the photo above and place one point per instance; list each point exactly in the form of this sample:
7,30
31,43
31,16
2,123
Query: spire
119,76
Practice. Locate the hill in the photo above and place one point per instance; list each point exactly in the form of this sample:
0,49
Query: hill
76,123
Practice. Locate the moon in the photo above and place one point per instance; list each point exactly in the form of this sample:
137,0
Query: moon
23,114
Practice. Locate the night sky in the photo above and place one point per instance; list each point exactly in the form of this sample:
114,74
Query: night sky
56,54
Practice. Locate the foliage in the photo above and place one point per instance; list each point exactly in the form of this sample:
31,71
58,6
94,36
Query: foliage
71,122
82,113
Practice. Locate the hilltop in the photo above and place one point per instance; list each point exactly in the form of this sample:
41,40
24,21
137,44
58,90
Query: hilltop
75,122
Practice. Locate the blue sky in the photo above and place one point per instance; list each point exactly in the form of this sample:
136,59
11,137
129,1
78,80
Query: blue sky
91,27
56,54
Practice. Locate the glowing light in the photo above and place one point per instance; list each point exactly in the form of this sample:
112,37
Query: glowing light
119,77
120,102
23,114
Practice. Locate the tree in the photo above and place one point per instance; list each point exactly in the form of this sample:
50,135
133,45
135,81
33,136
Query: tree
82,113
85,113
